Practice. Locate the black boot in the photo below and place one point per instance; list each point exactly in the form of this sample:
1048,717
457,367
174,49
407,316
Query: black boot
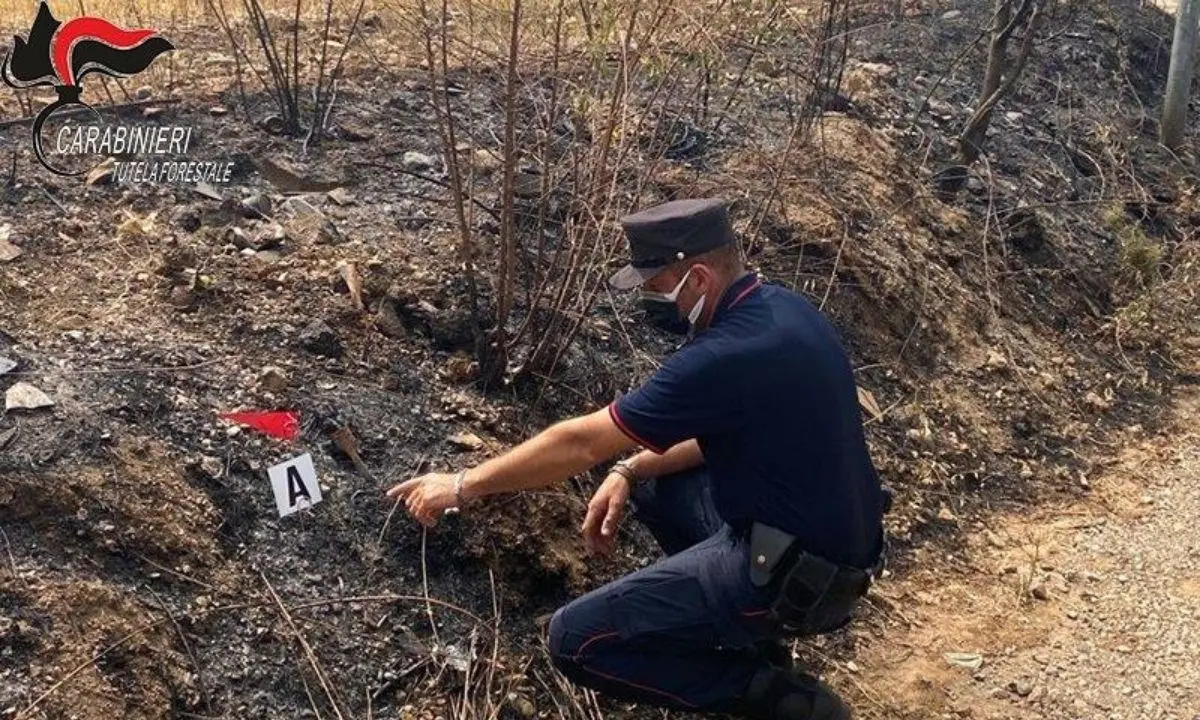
775,652
777,694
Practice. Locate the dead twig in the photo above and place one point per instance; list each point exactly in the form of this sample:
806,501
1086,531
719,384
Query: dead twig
114,371
388,685
312,701
308,651
837,262
204,694
174,573
344,438
49,196
425,589
82,111
11,560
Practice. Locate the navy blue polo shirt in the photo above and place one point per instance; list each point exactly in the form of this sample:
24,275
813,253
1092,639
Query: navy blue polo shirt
768,392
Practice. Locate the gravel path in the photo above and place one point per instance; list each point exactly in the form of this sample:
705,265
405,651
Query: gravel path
1086,611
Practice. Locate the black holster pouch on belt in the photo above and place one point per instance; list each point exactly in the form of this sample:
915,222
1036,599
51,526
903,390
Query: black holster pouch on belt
812,594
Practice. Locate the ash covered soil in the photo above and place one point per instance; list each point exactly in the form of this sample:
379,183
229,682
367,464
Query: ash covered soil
1007,342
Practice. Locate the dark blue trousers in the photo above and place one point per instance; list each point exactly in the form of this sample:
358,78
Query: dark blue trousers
681,633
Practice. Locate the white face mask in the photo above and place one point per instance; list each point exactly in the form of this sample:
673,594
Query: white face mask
666,297
694,315
670,321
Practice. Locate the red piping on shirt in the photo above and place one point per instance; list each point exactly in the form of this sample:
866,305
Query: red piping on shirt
612,412
754,286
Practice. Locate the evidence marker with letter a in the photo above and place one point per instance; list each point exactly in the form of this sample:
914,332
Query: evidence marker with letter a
295,485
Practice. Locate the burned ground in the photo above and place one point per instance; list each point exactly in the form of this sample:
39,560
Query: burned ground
1008,341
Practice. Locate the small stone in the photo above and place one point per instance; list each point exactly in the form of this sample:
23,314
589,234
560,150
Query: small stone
102,174
218,111
211,466
142,93
320,339
417,161
1039,591
151,111
256,206
272,378
353,133
204,189
271,236
485,162
233,431
186,217
9,252
268,256
248,252
341,196
951,15
181,296
303,210
945,514
24,396
239,239
7,365
467,441
76,335
387,319
521,704
1023,687
273,124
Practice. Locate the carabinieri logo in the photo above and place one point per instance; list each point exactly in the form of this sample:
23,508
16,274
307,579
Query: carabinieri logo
61,54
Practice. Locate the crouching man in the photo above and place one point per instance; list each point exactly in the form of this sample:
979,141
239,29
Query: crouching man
754,478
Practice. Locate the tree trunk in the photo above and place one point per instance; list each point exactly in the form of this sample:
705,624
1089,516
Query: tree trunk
1000,76
1179,77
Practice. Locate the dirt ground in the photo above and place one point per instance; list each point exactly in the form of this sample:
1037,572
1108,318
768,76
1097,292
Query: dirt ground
1027,352
1077,610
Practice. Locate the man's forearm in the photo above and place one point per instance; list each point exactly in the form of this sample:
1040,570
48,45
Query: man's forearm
553,455
682,456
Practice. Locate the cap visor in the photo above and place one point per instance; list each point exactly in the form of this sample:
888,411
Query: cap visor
629,277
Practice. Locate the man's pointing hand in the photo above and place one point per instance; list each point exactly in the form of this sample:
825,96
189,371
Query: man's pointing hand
426,497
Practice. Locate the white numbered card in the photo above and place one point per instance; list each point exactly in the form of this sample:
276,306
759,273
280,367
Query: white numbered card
295,485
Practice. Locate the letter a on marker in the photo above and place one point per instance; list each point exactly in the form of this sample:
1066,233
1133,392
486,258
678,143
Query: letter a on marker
296,486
